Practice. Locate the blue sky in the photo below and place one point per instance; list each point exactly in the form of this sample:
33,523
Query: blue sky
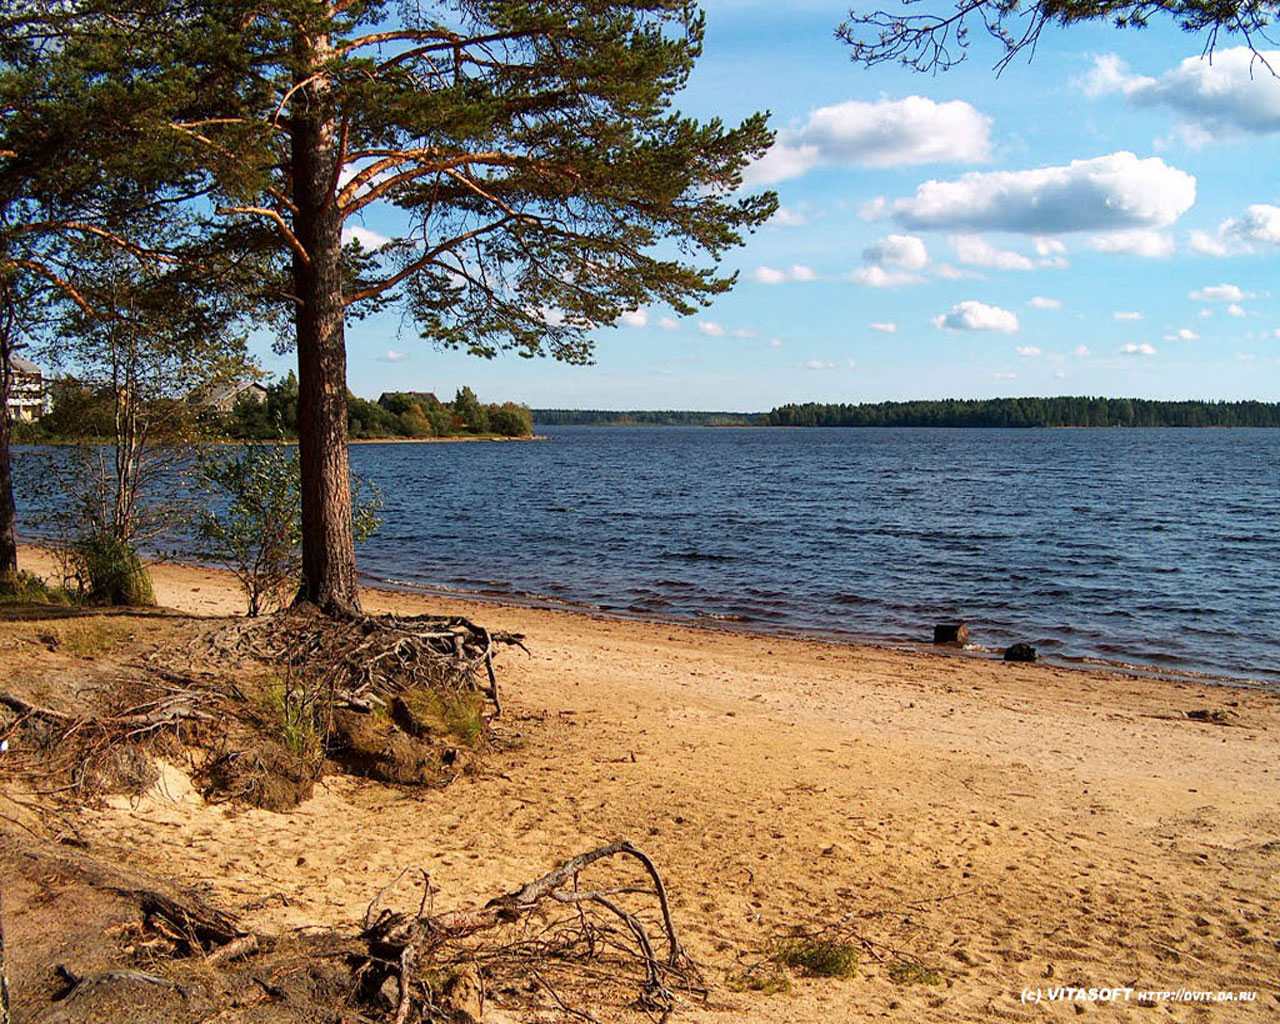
1102,220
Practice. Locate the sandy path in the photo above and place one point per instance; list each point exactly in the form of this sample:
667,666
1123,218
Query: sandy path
1010,826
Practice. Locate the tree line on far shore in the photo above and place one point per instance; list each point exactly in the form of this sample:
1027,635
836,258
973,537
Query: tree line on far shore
80,412
1066,411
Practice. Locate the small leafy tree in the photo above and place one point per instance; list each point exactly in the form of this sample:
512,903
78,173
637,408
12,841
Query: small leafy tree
258,534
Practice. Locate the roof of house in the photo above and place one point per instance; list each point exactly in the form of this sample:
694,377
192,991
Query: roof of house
227,392
24,365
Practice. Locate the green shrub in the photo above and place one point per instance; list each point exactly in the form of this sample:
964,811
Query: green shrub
110,571
28,588
820,958
904,973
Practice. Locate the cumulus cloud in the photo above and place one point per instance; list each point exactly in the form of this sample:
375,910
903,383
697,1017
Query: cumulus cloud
788,218
1182,334
1133,349
1027,350
768,275
977,316
669,323
818,364
887,133
1151,245
1205,244
976,250
1229,95
636,318
1260,223
1127,314
1082,352
878,277
392,356
711,329
771,275
1219,293
905,252
1234,310
888,327
1041,302
367,239
1107,193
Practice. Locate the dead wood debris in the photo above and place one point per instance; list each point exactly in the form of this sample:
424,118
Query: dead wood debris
599,927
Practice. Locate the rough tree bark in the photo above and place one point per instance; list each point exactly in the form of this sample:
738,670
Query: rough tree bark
328,543
8,510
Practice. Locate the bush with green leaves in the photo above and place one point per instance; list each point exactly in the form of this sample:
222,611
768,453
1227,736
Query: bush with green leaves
257,535
109,571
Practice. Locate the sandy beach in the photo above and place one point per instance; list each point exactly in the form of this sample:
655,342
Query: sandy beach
1010,827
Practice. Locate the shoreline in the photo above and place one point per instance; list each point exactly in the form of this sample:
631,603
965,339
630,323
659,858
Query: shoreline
385,591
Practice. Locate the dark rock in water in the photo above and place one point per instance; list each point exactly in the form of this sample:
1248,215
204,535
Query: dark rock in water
950,633
1020,652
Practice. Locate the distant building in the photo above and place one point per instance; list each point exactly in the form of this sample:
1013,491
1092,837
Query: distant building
28,392
224,397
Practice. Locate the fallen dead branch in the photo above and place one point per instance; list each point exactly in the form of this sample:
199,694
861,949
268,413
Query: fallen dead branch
399,944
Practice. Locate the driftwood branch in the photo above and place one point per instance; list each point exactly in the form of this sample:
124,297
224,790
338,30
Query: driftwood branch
396,939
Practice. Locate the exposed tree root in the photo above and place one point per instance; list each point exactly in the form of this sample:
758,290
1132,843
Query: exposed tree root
363,661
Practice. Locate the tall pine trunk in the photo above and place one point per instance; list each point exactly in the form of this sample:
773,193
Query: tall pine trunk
8,510
328,543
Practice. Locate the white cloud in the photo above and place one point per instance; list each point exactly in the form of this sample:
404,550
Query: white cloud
788,218
367,239
1206,244
1234,310
1214,97
950,273
1151,245
818,364
1143,349
1182,334
1127,314
1027,350
711,329
744,332
1260,223
977,316
1107,193
393,356
874,209
775,343
878,277
771,275
1246,357
768,275
887,133
669,323
888,327
636,318
905,252
1219,293
1049,246
1040,302
1006,376
1205,314
977,250
1082,352
851,363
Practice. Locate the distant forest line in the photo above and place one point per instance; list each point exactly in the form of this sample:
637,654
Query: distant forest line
1066,411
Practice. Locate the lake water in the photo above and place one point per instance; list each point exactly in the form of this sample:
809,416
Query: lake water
1136,547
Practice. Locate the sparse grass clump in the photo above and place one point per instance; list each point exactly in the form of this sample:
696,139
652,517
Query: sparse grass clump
111,572
818,957
28,588
295,711
458,714
904,973
768,983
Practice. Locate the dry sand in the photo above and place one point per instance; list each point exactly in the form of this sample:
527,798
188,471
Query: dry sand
1006,825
